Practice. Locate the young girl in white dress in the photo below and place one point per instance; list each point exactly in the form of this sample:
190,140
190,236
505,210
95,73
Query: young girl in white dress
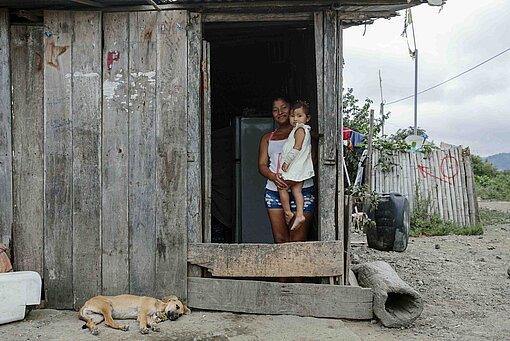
297,163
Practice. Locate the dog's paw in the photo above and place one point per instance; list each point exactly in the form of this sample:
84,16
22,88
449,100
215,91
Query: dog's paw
155,328
144,330
125,328
94,331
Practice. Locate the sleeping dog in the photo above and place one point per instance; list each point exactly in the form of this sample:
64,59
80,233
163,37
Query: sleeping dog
147,310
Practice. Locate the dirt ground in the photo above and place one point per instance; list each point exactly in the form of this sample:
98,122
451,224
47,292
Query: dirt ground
462,279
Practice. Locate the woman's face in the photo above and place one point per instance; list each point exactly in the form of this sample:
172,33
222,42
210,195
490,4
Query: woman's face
281,111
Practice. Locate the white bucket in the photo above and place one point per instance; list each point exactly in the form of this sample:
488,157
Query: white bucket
17,290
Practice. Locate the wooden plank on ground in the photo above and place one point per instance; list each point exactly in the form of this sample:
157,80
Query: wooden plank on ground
28,147
255,297
58,160
171,158
194,134
142,147
5,132
305,259
206,140
86,101
115,231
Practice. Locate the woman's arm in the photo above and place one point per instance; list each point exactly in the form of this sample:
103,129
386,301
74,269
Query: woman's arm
264,162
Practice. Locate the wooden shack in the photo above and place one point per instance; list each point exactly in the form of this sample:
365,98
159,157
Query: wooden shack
107,108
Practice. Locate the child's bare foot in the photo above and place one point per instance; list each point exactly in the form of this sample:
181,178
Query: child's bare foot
288,217
298,222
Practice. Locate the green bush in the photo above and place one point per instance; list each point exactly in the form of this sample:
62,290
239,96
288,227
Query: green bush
490,183
495,187
425,224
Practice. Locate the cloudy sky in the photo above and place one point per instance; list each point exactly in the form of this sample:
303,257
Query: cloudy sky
472,110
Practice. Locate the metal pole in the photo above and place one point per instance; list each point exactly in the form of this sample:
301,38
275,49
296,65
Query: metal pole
382,105
415,90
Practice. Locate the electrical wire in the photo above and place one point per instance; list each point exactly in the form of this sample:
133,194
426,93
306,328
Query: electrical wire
450,79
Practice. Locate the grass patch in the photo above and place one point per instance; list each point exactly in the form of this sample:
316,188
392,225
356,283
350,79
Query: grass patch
494,217
433,226
425,224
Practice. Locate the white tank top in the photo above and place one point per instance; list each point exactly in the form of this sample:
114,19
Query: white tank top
274,151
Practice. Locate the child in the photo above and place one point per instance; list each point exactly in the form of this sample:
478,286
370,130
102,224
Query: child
297,162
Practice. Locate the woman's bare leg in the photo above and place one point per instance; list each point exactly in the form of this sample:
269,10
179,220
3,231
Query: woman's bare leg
278,225
285,200
300,203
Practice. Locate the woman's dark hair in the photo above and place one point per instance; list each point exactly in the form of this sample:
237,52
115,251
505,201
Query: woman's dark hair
301,104
279,97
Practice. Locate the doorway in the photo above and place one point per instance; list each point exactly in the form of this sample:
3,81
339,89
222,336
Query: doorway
251,63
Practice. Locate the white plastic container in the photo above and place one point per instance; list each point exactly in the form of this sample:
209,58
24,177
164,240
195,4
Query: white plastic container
17,290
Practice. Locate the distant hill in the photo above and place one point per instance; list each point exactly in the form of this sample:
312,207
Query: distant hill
501,160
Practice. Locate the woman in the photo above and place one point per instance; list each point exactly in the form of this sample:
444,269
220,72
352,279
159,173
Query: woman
271,147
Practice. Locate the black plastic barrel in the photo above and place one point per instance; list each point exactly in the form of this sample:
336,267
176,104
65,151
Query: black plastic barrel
392,221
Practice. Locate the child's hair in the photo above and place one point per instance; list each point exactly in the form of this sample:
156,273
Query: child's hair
301,104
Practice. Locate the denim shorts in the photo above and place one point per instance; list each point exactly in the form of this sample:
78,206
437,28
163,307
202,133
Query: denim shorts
272,199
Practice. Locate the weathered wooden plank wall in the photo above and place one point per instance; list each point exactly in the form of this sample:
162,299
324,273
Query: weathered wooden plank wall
194,120
442,178
142,144
326,44
115,153
58,160
171,155
102,210
27,146
86,162
5,132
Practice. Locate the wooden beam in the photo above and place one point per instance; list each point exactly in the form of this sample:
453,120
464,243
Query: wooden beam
155,5
90,3
317,300
307,259
244,17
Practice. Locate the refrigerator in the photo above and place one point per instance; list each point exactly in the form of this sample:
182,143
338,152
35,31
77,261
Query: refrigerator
251,220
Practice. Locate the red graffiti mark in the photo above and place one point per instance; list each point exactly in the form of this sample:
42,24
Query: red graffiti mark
446,164
424,172
113,56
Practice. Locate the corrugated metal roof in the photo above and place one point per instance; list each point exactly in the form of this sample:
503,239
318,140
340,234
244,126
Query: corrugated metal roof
61,4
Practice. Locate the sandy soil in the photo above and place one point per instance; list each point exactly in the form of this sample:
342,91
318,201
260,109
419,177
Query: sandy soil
463,280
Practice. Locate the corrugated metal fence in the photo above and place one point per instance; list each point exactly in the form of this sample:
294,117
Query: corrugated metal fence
441,179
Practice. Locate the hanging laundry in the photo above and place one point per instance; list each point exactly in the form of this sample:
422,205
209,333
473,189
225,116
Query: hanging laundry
346,134
357,139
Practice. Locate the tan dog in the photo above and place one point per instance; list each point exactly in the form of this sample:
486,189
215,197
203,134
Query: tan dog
147,310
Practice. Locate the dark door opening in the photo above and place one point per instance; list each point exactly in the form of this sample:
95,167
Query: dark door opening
251,63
